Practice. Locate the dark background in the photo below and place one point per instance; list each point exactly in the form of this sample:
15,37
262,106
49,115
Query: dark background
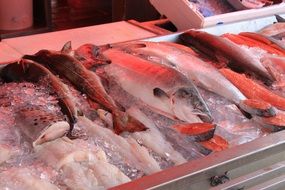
77,13
54,15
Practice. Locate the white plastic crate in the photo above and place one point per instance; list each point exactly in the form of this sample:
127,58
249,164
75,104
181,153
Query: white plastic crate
180,13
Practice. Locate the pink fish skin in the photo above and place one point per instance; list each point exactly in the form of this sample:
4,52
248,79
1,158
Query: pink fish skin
221,48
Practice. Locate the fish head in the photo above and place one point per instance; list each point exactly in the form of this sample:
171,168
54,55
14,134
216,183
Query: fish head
40,55
91,55
87,51
189,106
34,123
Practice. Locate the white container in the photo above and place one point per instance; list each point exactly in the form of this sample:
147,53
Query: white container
16,14
180,13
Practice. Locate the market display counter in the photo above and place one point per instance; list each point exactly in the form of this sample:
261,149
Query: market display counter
258,164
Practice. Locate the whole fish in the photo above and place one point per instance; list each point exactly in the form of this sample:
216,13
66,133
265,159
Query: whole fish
265,39
250,42
88,54
37,122
253,90
224,50
202,73
89,83
162,88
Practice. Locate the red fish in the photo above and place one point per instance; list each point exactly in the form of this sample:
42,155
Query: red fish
250,42
252,90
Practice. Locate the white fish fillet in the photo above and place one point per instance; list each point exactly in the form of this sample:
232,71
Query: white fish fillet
24,179
107,174
78,177
80,164
60,154
153,139
133,153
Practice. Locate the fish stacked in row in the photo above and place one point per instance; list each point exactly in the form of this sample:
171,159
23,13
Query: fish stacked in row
255,61
97,157
96,117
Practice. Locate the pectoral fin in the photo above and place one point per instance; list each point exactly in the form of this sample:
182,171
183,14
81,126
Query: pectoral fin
279,18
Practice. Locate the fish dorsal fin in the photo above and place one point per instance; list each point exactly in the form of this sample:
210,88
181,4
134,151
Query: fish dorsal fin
67,48
159,93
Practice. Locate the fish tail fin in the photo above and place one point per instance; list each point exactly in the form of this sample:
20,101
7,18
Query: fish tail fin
257,107
124,122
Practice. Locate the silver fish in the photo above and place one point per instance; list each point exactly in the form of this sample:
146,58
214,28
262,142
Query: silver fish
203,74
162,88
225,50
